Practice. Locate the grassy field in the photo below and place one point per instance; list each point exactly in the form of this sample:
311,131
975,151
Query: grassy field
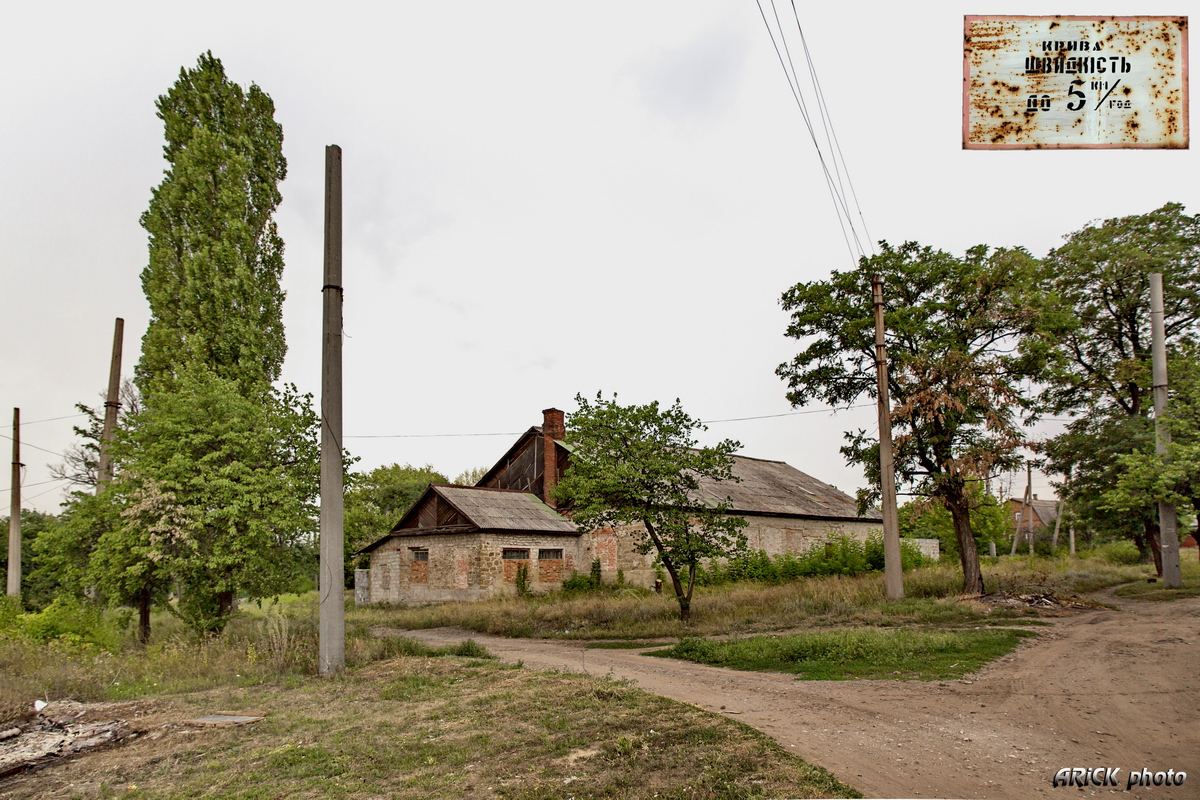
451,727
865,653
931,598
406,721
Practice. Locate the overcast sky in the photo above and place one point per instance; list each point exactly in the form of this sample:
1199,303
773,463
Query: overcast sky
541,198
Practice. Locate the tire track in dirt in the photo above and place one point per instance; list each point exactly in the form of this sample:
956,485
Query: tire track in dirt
1099,688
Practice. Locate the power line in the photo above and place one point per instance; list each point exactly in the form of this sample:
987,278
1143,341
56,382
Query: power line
34,446
836,188
52,419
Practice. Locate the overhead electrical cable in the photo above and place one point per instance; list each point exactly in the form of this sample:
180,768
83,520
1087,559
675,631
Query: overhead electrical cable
794,85
837,179
831,132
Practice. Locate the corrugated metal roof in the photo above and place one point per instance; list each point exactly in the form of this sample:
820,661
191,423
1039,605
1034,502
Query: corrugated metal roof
499,509
773,487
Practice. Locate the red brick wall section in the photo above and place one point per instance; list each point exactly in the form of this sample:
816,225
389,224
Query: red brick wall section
420,572
510,568
550,570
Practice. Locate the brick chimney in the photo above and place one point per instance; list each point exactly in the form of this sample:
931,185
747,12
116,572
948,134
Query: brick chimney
553,428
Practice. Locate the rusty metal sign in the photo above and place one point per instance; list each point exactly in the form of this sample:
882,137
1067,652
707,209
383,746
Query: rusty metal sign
1074,82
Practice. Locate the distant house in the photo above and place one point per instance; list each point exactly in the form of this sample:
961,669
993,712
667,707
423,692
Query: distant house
468,542
1043,516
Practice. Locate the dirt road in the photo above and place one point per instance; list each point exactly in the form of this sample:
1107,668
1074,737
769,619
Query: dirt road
1098,689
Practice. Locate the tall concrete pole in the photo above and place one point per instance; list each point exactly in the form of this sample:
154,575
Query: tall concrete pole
112,404
332,615
893,572
14,514
1167,532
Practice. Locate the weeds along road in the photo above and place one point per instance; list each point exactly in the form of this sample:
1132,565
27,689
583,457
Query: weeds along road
1104,688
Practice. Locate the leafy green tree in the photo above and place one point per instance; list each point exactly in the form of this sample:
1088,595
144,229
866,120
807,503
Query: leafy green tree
1104,374
929,519
1141,477
962,336
220,492
470,477
634,465
376,500
37,585
215,254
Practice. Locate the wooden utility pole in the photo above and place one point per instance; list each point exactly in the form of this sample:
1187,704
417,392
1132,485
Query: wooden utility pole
893,571
1026,506
1057,526
1168,535
331,656
112,404
14,514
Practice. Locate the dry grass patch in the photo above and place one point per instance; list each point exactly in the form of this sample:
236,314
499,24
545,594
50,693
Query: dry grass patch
932,598
448,728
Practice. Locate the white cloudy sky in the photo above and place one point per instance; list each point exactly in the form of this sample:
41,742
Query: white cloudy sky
541,198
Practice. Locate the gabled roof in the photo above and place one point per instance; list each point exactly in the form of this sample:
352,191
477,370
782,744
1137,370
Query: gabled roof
1045,511
446,509
776,488
505,510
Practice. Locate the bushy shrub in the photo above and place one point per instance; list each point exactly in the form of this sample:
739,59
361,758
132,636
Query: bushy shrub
75,620
840,555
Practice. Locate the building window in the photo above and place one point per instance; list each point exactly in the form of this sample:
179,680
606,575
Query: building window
516,554
550,555
419,569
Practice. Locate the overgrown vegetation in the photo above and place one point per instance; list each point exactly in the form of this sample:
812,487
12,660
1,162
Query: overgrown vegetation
852,654
841,555
932,598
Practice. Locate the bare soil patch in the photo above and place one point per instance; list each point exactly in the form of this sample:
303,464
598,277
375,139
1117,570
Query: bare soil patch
1111,687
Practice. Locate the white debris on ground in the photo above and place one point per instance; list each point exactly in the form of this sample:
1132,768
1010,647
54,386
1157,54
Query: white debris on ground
59,730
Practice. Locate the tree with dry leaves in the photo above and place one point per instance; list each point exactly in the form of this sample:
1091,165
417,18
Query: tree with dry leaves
963,334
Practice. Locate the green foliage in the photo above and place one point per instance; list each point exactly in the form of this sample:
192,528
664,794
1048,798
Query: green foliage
962,335
930,520
635,465
37,585
215,256
220,495
578,583
839,555
595,573
853,654
522,580
470,477
376,500
74,620
1113,479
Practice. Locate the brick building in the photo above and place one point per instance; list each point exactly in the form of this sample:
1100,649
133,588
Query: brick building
468,542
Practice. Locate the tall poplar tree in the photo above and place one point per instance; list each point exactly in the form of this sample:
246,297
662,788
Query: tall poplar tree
218,471
215,255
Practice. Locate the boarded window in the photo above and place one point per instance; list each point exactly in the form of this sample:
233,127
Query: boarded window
420,566
516,554
550,565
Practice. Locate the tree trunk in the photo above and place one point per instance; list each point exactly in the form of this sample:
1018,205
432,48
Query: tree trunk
1155,544
225,605
143,603
960,511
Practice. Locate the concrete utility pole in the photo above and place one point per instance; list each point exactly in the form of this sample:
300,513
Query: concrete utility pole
331,650
1168,535
892,570
112,404
14,514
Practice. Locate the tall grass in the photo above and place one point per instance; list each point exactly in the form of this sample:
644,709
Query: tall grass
932,598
